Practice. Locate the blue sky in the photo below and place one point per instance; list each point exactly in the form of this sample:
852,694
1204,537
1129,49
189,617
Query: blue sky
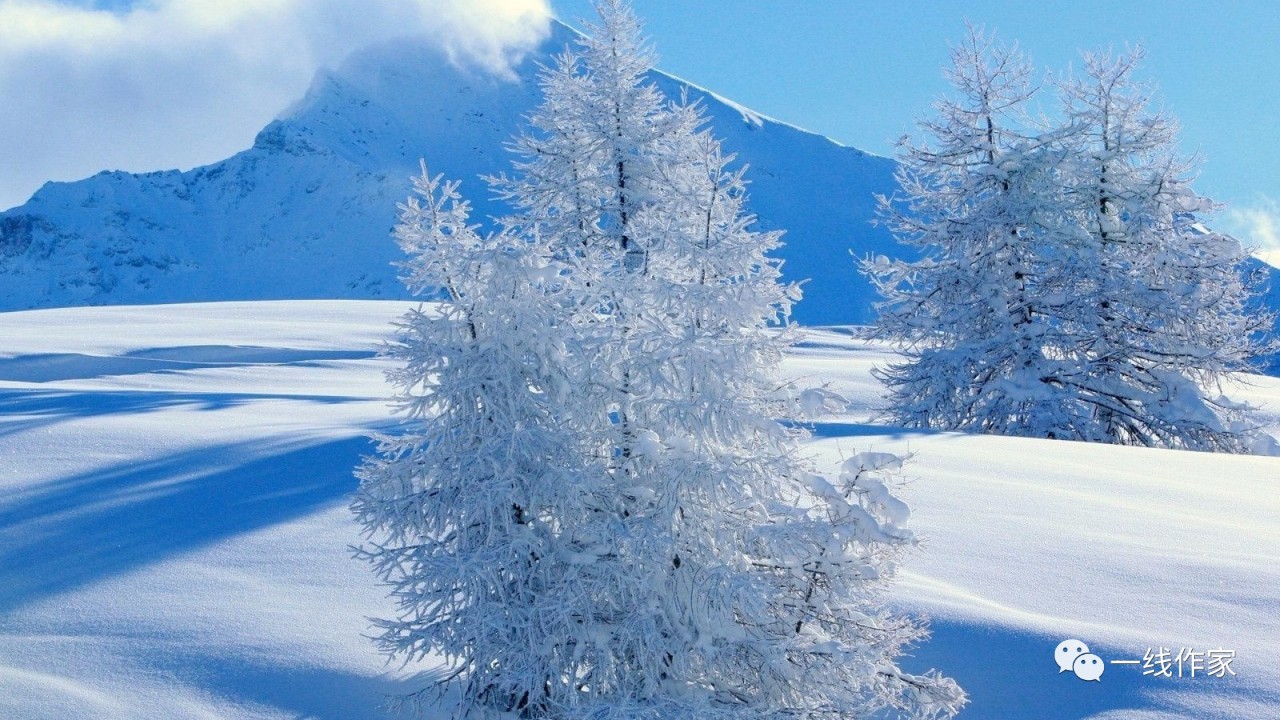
124,84
861,72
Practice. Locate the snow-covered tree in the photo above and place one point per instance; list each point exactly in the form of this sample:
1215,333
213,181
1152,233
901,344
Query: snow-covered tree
1164,309
1065,288
593,511
976,312
453,506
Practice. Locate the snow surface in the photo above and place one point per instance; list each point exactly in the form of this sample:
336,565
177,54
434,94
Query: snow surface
174,529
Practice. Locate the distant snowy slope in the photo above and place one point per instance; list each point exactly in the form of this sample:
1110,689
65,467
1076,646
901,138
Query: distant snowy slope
306,212
1269,299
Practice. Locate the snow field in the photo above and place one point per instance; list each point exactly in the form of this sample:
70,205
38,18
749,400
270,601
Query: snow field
174,532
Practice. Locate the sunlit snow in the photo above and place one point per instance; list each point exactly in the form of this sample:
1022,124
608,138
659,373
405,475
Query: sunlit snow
174,532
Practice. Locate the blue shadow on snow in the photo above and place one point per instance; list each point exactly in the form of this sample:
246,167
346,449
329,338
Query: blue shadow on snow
1009,673
85,528
52,367
25,409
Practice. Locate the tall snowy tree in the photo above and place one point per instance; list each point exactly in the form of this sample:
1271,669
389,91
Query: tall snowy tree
593,512
976,313
455,506
1164,310
1066,289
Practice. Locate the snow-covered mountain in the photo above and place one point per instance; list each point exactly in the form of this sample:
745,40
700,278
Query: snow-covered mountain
306,212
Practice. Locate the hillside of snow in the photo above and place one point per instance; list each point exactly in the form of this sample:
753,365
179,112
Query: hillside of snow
307,211
174,530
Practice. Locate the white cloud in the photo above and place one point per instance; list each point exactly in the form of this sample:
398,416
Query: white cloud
1258,226
177,83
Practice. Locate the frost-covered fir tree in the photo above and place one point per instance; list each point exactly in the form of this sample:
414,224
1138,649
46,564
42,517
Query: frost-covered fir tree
976,314
453,506
592,512
1065,288
1164,308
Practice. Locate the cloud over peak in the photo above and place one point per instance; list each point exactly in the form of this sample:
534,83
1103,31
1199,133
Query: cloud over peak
177,83
1258,227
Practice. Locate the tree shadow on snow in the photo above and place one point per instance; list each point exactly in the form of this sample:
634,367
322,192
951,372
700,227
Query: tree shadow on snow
1010,673
300,691
52,367
843,429
84,528
24,409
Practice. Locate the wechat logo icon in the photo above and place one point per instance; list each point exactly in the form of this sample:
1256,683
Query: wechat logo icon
1074,655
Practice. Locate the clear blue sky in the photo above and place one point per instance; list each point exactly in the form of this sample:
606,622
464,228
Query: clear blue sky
861,72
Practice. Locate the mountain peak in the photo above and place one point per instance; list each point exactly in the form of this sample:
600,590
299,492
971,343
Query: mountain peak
307,210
